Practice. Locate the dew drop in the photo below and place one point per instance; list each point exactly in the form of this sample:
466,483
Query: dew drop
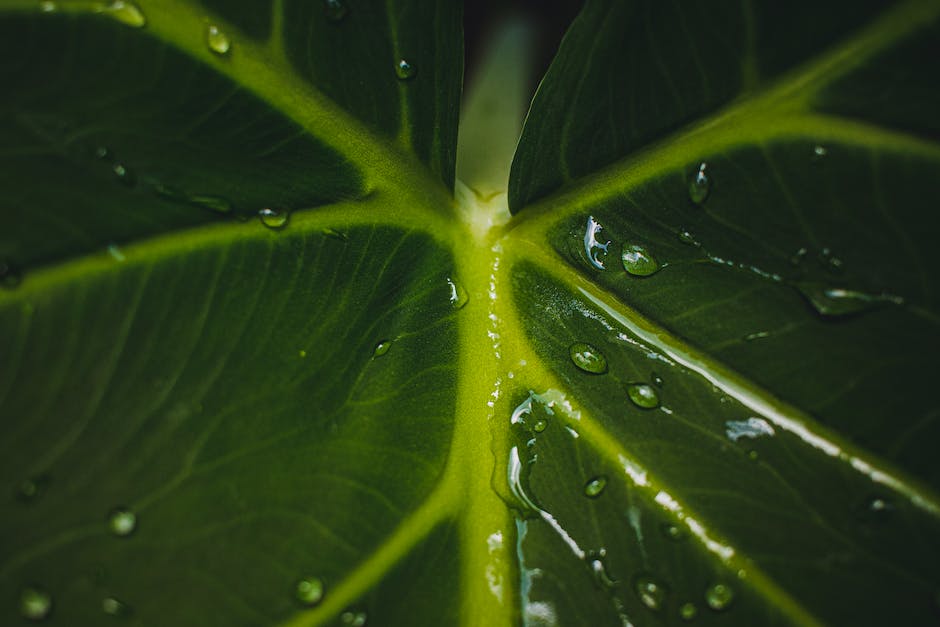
124,174
334,234
35,603
353,619
637,260
673,532
309,590
593,248
458,295
122,522
213,203
540,425
335,10
719,596
876,509
687,238
114,607
595,486
657,380
651,592
588,358
798,256
700,185
405,70
302,353
643,395
272,218
381,348
820,150
830,301
688,611
126,12
9,275
597,562
217,40
48,7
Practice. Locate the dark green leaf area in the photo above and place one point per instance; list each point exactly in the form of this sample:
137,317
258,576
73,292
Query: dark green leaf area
228,395
753,488
109,136
628,73
804,268
895,88
421,589
252,18
353,55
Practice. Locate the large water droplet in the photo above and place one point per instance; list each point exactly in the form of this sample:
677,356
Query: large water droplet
126,12
700,185
719,596
637,260
309,590
651,592
595,486
114,607
381,348
335,10
458,295
353,619
273,218
830,301
688,611
35,603
588,358
217,40
122,522
595,251
405,70
9,275
643,395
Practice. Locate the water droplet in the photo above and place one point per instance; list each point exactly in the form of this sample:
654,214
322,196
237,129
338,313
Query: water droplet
595,486
32,488
48,7
309,590
876,509
719,596
353,619
651,592
334,234
819,150
700,185
126,12
753,455
405,71
595,251
213,203
750,337
830,301
458,295
124,174
688,611
637,260
114,607
687,238
673,532
9,275
643,395
753,428
657,380
588,358
273,219
302,353
122,522
598,563
218,41
540,425
35,603
381,348
335,10
798,256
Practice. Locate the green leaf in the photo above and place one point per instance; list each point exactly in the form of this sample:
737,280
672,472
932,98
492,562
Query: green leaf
264,362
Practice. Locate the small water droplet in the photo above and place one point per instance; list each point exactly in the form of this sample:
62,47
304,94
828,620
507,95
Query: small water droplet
218,41
820,150
876,509
335,10
405,70
657,380
595,486
35,603
124,174
114,607
126,12
750,337
353,619
643,395
700,185
540,425
458,295
831,301
673,532
688,611
48,7
272,218
31,489
651,592
587,358
122,522
334,234
598,563
9,275
302,353
381,348
595,251
719,596
798,256
309,590
102,152
637,260
687,238
753,455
